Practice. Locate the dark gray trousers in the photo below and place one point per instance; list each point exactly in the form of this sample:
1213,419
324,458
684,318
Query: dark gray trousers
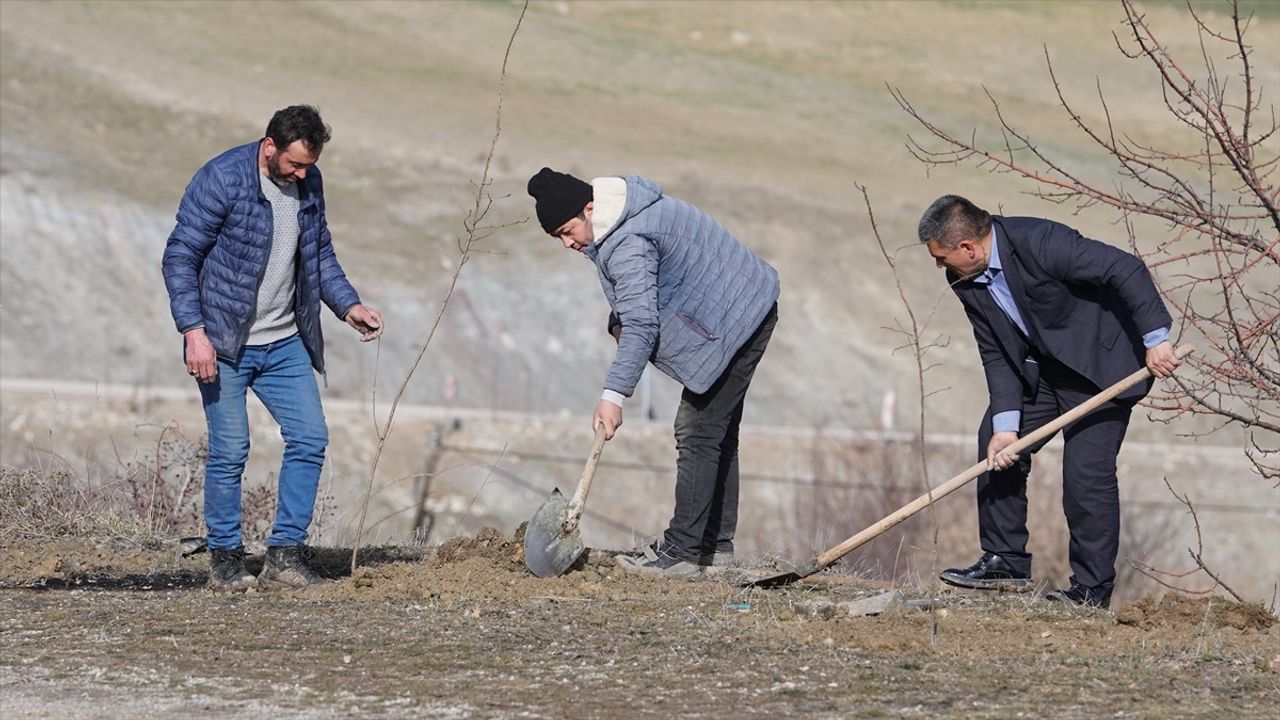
1090,492
706,513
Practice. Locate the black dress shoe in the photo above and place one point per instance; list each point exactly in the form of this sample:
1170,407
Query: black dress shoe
991,572
1077,594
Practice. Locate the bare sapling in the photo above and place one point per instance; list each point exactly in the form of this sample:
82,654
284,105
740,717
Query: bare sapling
475,231
913,334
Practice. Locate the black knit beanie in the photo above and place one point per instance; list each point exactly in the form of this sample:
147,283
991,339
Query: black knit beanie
559,197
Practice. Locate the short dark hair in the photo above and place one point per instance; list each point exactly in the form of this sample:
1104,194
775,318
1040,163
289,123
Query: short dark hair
951,219
298,122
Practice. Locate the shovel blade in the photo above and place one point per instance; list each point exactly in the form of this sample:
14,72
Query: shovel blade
548,550
796,574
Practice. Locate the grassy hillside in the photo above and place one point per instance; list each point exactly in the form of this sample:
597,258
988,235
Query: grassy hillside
765,114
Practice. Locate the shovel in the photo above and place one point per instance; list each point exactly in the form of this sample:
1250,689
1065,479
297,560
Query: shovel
831,555
551,540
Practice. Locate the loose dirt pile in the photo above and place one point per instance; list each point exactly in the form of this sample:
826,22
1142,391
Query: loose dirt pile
1180,611
489,567
489,543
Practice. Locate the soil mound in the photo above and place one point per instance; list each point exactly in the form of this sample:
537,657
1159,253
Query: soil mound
489,544
486,567
1173,611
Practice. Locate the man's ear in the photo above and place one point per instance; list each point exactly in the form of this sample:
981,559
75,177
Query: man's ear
588,209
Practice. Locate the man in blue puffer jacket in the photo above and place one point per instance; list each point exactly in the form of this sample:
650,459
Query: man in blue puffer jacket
697,303
246,267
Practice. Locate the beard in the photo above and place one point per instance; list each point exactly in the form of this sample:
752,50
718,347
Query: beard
273,171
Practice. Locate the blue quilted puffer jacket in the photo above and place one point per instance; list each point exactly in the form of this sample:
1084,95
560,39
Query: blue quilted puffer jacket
217,254
687,292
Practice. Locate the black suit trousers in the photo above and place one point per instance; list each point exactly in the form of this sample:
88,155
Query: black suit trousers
1090,492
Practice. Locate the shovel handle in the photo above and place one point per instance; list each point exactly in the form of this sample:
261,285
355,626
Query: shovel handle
959,481
574,512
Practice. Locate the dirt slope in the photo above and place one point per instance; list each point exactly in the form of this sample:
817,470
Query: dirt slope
764,114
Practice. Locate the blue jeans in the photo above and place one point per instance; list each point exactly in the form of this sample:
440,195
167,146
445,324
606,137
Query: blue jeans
280,375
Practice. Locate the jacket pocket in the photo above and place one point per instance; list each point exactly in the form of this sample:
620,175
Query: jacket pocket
694,326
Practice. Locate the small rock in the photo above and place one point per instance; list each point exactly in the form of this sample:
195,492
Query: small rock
821,609
873,605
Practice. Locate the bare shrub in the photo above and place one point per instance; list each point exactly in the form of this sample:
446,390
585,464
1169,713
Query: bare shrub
164,487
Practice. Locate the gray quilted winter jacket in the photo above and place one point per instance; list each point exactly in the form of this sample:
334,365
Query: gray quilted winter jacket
688,293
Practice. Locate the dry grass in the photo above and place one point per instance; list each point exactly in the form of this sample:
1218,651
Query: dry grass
57,504
144,501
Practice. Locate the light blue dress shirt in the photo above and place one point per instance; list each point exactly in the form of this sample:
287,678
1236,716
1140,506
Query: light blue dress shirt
998,286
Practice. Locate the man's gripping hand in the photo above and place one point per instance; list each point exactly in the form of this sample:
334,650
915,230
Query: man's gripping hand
1161,360
609,415
997,457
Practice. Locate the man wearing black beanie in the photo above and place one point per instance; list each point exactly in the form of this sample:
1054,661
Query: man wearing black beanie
697,303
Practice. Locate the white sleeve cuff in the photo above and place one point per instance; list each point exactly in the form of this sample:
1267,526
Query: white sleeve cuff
613,396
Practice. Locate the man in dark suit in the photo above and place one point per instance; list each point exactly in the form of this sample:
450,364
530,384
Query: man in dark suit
1057,317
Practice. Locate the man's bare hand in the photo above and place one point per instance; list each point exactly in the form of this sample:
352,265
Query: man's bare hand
1161,360
366,320
608,415
202,359
997,457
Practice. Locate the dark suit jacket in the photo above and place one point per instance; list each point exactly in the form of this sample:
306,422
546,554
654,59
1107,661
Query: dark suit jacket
1087,305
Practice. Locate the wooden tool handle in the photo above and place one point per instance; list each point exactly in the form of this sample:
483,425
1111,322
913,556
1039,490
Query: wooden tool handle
574,512
959,481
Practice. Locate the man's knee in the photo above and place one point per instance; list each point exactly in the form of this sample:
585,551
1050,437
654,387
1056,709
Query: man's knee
228,451
691,430
1089,467
309,438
